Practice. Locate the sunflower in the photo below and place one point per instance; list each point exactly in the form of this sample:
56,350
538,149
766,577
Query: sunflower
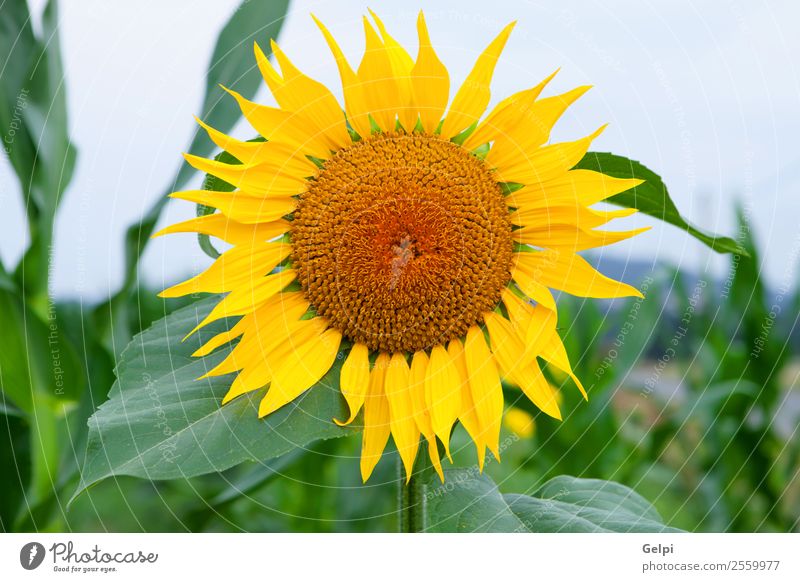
419,242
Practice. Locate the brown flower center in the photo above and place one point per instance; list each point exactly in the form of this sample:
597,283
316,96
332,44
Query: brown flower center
402,242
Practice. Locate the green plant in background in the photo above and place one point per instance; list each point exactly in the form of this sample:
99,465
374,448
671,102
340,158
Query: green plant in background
704,431
57,362
41,376
709,460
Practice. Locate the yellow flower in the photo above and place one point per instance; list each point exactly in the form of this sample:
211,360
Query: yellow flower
519,422
410,236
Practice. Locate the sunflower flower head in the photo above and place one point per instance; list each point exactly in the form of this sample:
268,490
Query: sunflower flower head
415,236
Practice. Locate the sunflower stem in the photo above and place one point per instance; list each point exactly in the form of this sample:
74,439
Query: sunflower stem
404,500
412,495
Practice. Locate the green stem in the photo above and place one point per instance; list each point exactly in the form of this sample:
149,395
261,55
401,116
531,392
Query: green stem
412,495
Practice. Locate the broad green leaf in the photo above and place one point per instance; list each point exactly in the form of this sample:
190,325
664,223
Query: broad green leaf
652,197
471,502
36,359
98,368
161,422
40,374
15,466
232,65
468,501
39,370
6,282
756,309
33,107
18,48
46,117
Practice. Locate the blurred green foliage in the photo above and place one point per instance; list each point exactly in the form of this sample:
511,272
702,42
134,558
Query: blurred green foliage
57,360
693,402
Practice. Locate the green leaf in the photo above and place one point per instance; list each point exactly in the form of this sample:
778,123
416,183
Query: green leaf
232,65
161,422
46,118
471,502
18,48
468,501
652,197
37,359
41,375
6,281
33,108
15,464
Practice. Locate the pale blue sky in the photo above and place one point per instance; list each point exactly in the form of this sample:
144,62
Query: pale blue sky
705,93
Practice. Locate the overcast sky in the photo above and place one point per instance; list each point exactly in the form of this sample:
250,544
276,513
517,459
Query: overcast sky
705,93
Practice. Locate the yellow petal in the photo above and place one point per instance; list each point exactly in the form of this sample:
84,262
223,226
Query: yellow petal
258,355
436,461
535,386
569,238
507,347
546,163
235,267
443,394
376,418
555,353
276,313
302,367
570,273
239,206
596,218
285,158
531,130
531,287
519,310
416,388
255,179
505,114
378,84
244,151
566,213
472,98
354,380
401,412
402,63
534,324
248,298
487,391
468,415
296,92
221,338
354,100
265,330
532,321
285,127
224,228
430,81
509,352
253,375
577,187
